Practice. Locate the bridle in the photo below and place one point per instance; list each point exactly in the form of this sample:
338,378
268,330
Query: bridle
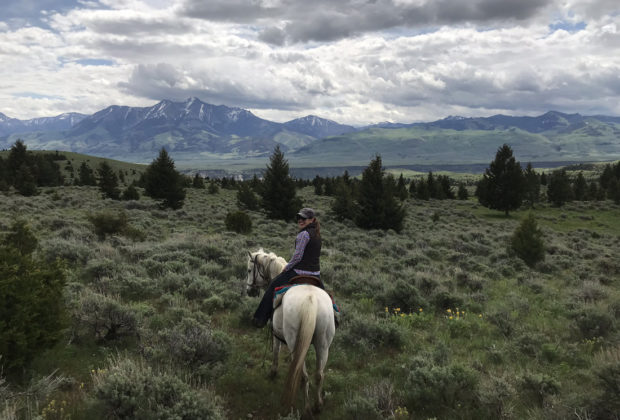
256,272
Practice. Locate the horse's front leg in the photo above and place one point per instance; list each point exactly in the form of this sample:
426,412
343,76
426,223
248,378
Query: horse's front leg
276,355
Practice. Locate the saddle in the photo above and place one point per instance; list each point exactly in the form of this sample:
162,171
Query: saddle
311,280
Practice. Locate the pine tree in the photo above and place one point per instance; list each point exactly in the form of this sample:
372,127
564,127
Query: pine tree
501,187
527,241
18,158
377,205
130,193
462,193
278,194
532,186
163,182
86,176
108,181
246,199
559,190
24,181
613,190
444,188
401,188
580,187
422,191
198,181
344,206
31,292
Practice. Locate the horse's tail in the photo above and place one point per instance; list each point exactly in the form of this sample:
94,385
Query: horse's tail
307,324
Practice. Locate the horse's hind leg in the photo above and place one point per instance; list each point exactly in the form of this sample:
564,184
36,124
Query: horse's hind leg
305,383
276,355
321,361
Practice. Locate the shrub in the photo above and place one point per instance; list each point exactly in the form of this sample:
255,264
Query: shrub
608,380
591,322
367,332
239,222
527,241
193,344
108,223
404,295
539,386
130,193
103,317
441,391
132,390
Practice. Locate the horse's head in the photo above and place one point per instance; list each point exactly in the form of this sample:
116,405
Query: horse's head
256,275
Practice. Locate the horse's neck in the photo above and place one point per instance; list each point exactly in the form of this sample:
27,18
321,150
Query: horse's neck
273,266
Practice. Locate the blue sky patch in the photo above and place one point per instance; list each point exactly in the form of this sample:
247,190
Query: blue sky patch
568,26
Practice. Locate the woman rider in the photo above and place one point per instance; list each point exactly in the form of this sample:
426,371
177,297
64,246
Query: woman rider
305,261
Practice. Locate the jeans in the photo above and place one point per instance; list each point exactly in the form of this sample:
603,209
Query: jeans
265,307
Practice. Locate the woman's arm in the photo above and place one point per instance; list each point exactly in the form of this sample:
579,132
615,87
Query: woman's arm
300,246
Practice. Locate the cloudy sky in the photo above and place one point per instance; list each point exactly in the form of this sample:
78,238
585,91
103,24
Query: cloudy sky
352,61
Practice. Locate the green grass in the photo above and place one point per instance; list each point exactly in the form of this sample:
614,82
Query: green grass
519,322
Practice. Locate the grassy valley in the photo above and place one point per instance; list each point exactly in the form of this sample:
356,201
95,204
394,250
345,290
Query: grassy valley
439,321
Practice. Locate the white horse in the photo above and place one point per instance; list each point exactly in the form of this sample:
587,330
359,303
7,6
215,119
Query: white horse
262,268
305,317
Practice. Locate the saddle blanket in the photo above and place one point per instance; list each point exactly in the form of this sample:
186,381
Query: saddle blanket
280,291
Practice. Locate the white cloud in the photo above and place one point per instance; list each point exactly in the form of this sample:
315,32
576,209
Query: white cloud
476,58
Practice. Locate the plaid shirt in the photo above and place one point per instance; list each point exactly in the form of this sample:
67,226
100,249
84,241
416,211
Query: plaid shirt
301,241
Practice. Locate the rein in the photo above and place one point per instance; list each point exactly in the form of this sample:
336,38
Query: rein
256,271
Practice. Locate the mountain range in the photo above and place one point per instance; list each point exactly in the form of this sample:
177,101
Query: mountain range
198,134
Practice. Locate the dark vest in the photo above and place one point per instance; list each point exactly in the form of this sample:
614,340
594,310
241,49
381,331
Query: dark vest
312,253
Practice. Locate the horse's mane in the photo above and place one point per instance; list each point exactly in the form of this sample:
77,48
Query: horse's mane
271,261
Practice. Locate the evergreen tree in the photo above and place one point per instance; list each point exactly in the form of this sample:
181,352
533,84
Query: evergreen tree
593,192
121,176
431,186
532,186
4,175
422,191
613,190
344,206
278,195
18,158
543,179
130,193
31,292
377,205
86,176
401,188
445,188
213,188
501,187
246,199
24,181
559,190
580,187
108,181
412,189
462,193
163,182
198,181
606,176
527,241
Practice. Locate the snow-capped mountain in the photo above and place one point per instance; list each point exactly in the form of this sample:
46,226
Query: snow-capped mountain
318,127
59,122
